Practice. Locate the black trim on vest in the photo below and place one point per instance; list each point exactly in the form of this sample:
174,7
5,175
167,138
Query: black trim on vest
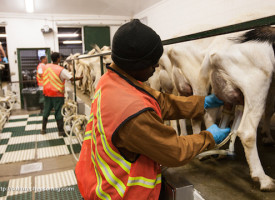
131,83
126,120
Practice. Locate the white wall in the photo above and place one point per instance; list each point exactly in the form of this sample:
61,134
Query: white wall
24,31
171,18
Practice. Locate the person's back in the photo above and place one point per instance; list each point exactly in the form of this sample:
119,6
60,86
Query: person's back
53,86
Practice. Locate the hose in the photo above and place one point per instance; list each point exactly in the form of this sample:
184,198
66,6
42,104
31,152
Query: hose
74,124
78,128
6,105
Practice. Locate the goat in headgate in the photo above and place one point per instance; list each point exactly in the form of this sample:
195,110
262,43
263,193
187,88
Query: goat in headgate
89,67
241,73
162,80
186,59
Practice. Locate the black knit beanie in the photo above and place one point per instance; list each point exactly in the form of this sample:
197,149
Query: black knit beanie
136,46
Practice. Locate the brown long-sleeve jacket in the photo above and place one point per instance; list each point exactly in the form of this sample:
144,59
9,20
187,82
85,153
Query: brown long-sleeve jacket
148,135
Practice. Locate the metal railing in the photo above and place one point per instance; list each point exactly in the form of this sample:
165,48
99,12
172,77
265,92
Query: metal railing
223,30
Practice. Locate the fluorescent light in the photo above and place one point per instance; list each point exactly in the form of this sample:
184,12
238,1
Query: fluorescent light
29,6
3,35
72,42
67,35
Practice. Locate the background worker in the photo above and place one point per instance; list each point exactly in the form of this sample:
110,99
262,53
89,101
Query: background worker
54,77
126,139
39,79
5,59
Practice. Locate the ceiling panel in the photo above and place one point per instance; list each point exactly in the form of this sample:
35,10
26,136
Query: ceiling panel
83,7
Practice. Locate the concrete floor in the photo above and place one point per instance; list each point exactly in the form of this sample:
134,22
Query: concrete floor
228,178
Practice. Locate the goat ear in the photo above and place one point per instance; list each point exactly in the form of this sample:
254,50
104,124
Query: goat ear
96,47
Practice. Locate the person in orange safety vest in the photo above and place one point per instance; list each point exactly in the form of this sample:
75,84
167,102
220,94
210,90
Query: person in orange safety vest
39,79
126,140
54,77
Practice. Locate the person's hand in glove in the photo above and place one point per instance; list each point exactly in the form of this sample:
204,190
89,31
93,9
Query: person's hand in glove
219,134
211,101
5,60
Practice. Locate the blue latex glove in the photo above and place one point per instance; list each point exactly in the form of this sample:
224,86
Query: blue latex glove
5,60
219,134
211,101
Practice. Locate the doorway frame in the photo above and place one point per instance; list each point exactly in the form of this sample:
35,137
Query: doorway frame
48,53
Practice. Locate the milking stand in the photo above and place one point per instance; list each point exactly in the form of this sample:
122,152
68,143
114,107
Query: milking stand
232,135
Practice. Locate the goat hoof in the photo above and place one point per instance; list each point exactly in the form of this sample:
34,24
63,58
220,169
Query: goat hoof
268,185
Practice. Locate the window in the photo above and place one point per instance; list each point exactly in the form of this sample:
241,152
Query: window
70,41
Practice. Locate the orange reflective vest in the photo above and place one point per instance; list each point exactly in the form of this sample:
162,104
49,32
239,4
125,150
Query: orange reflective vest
39,76
52,84
102,172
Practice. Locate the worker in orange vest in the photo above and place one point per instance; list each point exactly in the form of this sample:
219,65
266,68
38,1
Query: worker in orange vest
39,79
126,139
54,77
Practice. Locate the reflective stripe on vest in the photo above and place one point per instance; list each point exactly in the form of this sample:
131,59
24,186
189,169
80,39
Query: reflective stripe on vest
106,170
144,182
52,84
108,150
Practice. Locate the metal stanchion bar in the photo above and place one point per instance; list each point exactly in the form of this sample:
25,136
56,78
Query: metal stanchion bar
101,65
95,55
74,81
223,30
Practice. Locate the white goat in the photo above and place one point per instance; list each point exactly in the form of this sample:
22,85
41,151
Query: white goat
242,70
162,80
186,59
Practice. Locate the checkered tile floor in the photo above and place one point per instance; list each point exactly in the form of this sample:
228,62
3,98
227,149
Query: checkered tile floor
60,185
21,140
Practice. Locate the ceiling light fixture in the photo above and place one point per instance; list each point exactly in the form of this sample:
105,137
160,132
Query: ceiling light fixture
72,42
3,35
67,35
29,5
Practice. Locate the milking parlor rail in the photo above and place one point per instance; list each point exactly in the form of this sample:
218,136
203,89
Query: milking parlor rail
204,34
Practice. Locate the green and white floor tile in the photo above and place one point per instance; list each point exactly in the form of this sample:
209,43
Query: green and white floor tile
15,124
17,156
59,185
20,188
6,135
48,136
13,117
73,140
21,140
49,152
16,189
